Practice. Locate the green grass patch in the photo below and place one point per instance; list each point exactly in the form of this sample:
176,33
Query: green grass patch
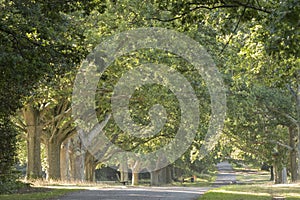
212,195
43,194
247,192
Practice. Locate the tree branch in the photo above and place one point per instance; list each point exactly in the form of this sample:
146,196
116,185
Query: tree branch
281,144
236,4
234,30
292,119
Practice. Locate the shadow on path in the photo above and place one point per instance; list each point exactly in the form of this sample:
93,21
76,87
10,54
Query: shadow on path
225,176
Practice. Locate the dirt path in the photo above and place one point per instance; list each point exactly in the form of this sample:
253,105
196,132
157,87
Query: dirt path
225,176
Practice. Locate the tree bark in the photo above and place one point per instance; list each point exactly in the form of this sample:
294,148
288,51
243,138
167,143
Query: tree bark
135,178
293,155
284,175
161,176
32,120
298,131
53,155
124,170
154,178
90,166
65,161
272,176
77,159
169,174
136,168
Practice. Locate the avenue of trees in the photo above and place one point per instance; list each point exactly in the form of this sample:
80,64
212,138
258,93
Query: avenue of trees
254,44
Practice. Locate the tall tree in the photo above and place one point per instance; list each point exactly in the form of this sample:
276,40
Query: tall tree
38,39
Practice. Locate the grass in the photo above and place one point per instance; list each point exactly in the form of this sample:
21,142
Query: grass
252,192
211,195
255,185
38,195
252,176
202,180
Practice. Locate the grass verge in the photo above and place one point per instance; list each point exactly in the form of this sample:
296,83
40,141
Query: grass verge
255,185
252,192
38,194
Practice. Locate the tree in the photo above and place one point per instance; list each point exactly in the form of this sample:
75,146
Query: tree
35,44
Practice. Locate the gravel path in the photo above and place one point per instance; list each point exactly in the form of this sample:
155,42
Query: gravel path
225,176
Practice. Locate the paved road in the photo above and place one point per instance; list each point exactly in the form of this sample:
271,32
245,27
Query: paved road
225,176
139,193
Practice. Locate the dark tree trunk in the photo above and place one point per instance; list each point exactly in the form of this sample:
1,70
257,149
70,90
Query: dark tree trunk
272,173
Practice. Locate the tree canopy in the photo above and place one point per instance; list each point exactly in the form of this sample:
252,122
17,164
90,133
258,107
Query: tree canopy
255,45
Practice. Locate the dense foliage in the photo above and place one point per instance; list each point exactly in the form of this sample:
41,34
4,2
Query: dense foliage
255,44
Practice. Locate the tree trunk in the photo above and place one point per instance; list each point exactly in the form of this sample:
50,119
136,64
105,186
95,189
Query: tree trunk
124,170
169,174
32,119
135,172
284,175
80,167
77,159
161,176
65,161
154,178
272,176
276,173
293,155
90,166
298,161
135,178
298,132
90,172
53,155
